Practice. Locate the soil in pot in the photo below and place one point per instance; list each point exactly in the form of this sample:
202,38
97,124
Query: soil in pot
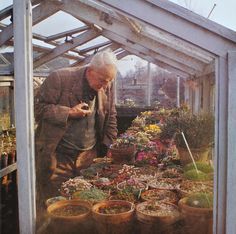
157,218
70,216
114,217
160,195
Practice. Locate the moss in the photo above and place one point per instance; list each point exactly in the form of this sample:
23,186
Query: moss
194,175
204,167
200,200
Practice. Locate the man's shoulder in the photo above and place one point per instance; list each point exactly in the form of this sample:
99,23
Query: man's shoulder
65,71
69,72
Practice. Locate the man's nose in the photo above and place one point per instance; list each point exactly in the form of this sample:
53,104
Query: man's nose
105,85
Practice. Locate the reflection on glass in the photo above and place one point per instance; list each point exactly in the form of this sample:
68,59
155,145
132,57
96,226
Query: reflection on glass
156,176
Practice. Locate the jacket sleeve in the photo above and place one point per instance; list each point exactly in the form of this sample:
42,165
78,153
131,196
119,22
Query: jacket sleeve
46,102
110,131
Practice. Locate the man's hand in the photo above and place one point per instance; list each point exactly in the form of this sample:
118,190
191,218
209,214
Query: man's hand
79,111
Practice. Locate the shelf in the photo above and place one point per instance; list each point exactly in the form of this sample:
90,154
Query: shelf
8,170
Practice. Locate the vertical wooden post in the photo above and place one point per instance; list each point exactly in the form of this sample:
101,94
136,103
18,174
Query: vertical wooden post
22,12
115,90
12,106
231,167
220,159
149,85
178,92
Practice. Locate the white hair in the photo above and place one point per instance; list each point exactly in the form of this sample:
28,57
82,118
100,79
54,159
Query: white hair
103,58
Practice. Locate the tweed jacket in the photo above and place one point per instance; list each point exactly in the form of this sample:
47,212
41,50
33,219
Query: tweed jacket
52,104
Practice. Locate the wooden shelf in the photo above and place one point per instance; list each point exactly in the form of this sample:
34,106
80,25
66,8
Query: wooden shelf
8,170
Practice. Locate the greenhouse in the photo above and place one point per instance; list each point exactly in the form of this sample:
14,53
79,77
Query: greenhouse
116,118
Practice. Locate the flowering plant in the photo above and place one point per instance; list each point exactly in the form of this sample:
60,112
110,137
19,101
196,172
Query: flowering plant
153,129
138,122
147,157
142,139
124,141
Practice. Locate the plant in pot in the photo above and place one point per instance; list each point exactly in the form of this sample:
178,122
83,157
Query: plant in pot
197,211
147,154
189,187
198,131
70,215
123,149
114,216
154,216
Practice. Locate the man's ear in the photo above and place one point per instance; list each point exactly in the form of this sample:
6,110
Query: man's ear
88,72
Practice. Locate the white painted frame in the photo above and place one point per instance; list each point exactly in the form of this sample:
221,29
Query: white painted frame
225,163
23,67
231,164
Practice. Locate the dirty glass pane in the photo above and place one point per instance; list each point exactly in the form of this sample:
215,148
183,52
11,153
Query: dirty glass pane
8,192
155,177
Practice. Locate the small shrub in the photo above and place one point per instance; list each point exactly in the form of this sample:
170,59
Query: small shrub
194,175
201,166
200,200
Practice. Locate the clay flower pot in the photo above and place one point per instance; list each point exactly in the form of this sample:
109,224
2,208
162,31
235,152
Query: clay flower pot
123,154
160,195
197,220
199,154
114,216
69,216
156,217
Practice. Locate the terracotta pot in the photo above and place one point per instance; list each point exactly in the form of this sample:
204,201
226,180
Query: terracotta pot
201,154
123,155
52,200
156,223
72,223
197,220
113,223
160,195
188,187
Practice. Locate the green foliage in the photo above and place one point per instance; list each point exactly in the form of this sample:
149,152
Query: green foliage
200,200
194,175
198,129
201,166
92,194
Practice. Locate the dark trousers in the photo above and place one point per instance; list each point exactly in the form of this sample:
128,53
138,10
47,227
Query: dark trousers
60,167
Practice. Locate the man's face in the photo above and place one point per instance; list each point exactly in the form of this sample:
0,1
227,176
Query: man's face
100,77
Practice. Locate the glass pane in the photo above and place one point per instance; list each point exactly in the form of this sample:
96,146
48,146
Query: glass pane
8,192
155,177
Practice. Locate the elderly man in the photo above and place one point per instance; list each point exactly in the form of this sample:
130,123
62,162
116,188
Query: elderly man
76,118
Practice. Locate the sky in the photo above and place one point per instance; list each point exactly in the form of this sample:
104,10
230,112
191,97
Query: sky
223,13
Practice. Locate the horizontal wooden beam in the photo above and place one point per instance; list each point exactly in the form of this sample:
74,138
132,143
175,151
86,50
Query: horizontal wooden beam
94,47
54,43
122,54
40,12
125,43
83,12
66,33
195,18
86,60
155,14
44,49
7,170
164,39
62,48
158,63
6,12
6,70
